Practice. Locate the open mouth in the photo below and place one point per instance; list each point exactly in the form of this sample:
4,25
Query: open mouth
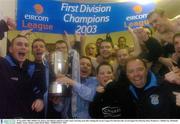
137,80
107,79
39,54
21,54
83,71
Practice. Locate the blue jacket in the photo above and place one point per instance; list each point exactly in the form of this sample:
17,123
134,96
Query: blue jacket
84,93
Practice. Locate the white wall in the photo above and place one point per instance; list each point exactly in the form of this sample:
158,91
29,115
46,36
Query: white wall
8,8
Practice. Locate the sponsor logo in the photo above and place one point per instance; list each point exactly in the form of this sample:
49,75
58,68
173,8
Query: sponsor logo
14,78
136,17
36,21
109,111
38,8
137,9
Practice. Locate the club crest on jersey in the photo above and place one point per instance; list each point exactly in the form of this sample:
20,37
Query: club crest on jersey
154,99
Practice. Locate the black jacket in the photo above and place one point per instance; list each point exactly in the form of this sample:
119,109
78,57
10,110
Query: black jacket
115,102
19,87
154,100
154,50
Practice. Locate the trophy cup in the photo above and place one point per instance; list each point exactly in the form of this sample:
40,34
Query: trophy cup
58,65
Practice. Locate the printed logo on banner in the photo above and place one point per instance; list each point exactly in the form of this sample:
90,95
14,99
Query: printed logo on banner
137,9
37,16
34,18
138,19
38,8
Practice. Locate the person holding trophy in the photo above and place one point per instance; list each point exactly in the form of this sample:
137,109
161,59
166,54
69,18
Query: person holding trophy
76,105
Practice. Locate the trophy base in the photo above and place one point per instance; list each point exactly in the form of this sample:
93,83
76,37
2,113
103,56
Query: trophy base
59,90
55,94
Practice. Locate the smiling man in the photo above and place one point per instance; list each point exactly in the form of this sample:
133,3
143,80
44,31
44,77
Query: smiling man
152,99
176,55
83,92
38,48
20,91
164,27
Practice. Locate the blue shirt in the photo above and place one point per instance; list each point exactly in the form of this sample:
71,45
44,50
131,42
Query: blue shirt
84,93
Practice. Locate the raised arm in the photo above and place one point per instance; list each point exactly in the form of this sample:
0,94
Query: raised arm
137,48
66,38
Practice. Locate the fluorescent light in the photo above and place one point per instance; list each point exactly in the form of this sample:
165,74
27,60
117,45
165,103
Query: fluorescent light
143,1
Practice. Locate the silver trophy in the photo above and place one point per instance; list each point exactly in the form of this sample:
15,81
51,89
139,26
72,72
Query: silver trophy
58,65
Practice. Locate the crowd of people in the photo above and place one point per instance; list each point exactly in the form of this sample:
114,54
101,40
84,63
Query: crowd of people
103,82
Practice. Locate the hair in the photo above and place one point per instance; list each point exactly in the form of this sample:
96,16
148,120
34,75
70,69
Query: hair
38,40
133,59
99,39
92,67
121,37
61,41
18,36
176,35
103,64
86,48
107,42
159,11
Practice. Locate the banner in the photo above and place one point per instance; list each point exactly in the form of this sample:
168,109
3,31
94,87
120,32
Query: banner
54,16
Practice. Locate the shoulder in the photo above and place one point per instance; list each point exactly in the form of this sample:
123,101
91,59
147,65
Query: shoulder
4,66
93,80
152,41
170,86
3,61
29,62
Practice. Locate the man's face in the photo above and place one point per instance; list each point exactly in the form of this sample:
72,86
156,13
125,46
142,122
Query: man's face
105,49
105,74
158,22
122,56
85,67
177,45
136,73
122,43
19,49
61,47
91,49
38,49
